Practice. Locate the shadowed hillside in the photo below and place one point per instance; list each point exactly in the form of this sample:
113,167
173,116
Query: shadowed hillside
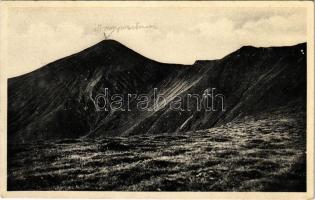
56,101
252,139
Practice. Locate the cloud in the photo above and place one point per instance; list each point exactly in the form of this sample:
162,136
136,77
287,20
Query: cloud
264,31
182,35
42,43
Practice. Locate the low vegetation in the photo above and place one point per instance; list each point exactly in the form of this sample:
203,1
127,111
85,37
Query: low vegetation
257,154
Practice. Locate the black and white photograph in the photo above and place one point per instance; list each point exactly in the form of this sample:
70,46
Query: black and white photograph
157,97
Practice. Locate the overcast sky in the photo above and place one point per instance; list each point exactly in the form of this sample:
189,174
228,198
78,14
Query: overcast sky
38,36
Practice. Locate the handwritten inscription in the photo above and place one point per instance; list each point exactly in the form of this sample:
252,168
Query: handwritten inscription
109,30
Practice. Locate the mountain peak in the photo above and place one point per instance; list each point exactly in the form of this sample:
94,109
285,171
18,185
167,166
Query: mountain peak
110,49
111,42
248,48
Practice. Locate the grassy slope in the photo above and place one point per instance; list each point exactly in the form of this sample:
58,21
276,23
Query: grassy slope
256,154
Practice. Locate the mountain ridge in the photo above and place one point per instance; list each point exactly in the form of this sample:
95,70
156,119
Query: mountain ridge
116,43
56,101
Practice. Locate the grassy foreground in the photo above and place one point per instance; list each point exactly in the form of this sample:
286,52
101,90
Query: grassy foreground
262,154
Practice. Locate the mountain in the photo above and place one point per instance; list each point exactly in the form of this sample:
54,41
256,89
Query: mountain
58,100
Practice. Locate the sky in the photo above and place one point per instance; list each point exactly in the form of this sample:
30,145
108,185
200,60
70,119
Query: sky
39,35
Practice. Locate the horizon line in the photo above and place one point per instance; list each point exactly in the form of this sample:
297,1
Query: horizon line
166,63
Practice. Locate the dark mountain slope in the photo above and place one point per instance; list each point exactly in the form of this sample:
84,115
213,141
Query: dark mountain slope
56,101
252,80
